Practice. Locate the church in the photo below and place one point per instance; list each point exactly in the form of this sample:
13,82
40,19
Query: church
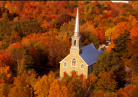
80,59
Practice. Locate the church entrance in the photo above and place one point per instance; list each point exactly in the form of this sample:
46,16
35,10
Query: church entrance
73,73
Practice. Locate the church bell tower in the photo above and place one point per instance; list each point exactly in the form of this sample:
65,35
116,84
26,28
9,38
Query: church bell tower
76,37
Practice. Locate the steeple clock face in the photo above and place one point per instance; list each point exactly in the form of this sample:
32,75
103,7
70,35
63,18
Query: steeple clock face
74,52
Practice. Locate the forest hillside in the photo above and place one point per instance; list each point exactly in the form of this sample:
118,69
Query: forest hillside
36,35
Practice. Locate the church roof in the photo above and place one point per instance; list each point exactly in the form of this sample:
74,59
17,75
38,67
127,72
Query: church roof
89,54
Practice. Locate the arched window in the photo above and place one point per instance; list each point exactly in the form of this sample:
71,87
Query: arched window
82,66
74,62
74,42
65,64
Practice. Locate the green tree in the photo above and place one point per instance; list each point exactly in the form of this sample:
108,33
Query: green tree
106,62
106,82
120,74
110,63
121,45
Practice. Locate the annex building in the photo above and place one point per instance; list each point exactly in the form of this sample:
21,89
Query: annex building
80,59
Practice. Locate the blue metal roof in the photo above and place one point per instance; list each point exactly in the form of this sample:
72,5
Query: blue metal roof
89,54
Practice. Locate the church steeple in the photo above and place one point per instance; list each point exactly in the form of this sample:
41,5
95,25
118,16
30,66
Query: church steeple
77,30
76,37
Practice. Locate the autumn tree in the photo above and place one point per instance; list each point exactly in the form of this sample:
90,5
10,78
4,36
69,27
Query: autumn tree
42,85
121,27
5,71
101,36
5,17
23,84
102,93
89,12
4,89
132,47
106,82
88,84
90,34
108,33
67,29
56,90
63,18
74,87
127,91
23,60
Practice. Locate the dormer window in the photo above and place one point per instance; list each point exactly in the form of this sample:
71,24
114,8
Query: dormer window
73,62
65,64
82,66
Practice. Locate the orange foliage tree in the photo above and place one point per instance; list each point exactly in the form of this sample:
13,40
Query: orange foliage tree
42,85
127,91
56,90
106,82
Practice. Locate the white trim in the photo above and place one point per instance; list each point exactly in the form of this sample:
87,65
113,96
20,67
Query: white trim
64,65
83,66
75,64
64,58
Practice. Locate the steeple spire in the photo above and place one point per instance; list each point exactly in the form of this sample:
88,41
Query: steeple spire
76,37
77,29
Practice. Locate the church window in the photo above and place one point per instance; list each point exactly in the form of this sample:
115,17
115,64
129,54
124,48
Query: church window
73,62
65,64
74,42
82,66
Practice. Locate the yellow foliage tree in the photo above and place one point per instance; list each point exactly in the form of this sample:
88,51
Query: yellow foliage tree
42,85
23,84
56,90
106,82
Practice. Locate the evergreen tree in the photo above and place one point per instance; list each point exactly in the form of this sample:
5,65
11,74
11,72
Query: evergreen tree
121,45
